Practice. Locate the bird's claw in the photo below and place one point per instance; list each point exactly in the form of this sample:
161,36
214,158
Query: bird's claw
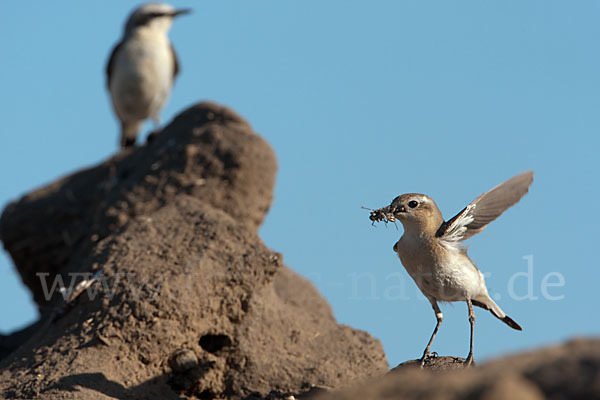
469,361
427,356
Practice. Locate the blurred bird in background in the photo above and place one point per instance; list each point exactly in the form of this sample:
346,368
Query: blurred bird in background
142,68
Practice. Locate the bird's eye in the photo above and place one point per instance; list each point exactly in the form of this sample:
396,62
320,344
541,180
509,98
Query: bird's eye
413,204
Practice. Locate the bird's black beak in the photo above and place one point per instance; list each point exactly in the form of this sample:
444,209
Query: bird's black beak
181,12
395,210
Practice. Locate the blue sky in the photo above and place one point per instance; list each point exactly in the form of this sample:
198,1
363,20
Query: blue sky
361,102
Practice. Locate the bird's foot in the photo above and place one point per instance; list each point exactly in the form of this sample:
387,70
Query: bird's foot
469,360
127,143
427,356
152,135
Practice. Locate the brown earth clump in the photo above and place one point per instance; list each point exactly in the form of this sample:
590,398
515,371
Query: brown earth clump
567,371
207,152
189,302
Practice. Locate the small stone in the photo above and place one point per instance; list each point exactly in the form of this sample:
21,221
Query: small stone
183,360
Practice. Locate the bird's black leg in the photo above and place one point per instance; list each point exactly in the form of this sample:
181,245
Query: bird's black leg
469,359
440,317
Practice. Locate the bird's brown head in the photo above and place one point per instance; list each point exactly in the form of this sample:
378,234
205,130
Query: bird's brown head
416,211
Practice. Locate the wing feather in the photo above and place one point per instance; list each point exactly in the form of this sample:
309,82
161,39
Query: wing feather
485,208
175,62
111,63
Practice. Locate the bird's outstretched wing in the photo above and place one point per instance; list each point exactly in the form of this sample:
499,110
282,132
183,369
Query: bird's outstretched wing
111,63
484,209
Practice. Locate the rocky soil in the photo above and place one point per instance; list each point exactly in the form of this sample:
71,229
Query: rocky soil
567,371
190,303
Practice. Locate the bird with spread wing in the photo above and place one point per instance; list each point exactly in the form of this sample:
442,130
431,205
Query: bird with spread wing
432,252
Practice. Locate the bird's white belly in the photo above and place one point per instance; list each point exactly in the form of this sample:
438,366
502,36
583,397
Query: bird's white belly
142,79
457,280
449,278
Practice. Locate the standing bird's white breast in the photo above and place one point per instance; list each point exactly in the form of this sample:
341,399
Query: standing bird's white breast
142,76
444,274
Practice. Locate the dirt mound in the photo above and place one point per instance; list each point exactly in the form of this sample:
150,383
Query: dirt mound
569,371
190,303
208,152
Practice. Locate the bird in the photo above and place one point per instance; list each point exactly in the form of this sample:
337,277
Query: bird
142,67
432,250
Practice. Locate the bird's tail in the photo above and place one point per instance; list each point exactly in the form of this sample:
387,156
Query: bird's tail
489,304
129,131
